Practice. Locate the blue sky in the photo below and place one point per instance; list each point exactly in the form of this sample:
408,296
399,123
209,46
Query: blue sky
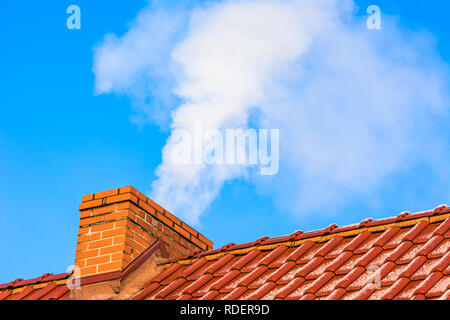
59,141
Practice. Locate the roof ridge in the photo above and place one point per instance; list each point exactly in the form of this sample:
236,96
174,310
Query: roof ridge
265,243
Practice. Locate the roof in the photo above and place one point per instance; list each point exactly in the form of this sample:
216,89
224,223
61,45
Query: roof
45,287
403,257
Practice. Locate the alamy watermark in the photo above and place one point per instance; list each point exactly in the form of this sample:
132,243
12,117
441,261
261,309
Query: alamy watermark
229,147
374,281
74,281
74,20
374,20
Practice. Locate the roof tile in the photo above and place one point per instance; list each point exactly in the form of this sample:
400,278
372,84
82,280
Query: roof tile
399,251
440,250
170,288
278,273
386,236
272,255
300,251
429,245
253,275
307,268
245,259
429,282
413,266
319,282
42,292
259,293
369,256
442,263
193,267
439,288
328,246
225,279
415,231
236,293
358,240
194,286
289,288
336,294
211,295
442,228
212,268
393,290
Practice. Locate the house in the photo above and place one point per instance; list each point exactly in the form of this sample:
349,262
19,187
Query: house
129,247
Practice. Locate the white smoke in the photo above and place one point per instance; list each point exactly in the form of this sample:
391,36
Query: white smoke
348,102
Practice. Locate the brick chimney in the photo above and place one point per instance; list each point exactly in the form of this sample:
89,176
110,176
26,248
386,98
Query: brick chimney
119,224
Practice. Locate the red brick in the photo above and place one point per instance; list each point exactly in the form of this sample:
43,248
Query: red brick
189,229
179,248
100,243
172,217
103,210
98,260
116,215
112,249
89,237
166,239
128,189
88,271
104,194
182,232
116,232
87,197
135,245
122,197
119,239
172,252
85,213
87,221
144,224
186,243
110,266
205,240
141,240
136,228
127,258
149,237
171,234
90,204
121,222
198,243
86,254
103,226
119,256
82,246
80,263
83,230
140,195
164,219
155,205
147,208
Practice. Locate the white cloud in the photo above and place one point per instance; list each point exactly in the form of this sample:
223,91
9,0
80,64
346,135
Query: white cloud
349,102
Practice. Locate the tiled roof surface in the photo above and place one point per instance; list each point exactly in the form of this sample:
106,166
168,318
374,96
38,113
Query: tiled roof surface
45,287
404,257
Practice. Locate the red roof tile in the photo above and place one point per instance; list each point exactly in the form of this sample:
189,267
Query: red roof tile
45,287
404,257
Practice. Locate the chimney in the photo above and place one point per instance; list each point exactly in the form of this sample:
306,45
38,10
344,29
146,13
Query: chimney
118,225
